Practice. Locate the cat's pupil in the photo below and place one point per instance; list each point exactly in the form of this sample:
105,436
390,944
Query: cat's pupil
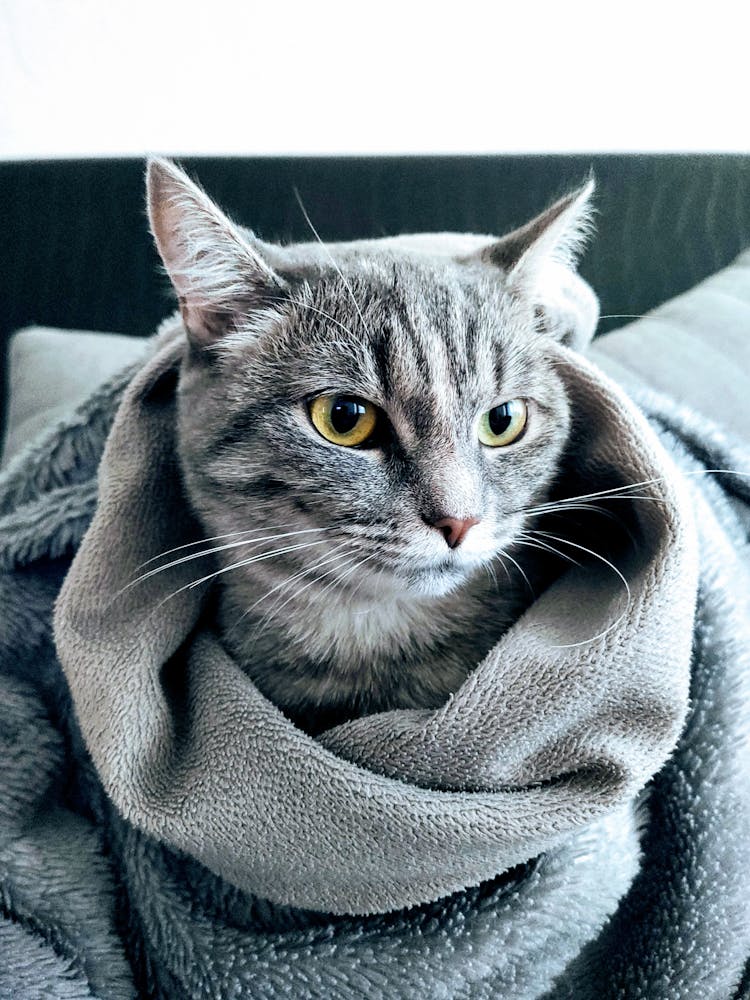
499,419
345,414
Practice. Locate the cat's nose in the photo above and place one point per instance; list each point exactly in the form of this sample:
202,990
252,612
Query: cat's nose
454,528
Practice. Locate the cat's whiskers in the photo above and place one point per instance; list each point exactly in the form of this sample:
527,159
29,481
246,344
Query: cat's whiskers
198,541
331,259
563,509
525,540
213,538
610,565
591,552
348,569
356,549
564,505
276,610
340,580
499,557
539,544
623,491
503,552
376,590
289,580
624,316
242,563
223,548
342,571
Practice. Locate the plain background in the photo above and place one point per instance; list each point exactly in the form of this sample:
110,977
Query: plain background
106,77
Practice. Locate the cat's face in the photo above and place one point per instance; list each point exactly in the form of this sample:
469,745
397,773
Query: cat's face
440,401
383,416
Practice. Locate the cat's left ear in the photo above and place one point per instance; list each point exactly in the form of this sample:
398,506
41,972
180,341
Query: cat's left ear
539,260
218,275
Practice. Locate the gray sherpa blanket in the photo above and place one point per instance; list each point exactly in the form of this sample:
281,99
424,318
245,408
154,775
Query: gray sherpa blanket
573,823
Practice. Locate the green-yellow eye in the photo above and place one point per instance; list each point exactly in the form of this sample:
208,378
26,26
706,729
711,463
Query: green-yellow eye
504,424
344,420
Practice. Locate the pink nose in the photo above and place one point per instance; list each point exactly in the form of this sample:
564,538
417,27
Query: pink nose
454,529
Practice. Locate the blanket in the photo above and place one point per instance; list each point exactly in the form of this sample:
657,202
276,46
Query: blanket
574,822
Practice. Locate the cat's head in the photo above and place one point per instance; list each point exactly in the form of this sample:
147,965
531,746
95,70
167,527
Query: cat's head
382,410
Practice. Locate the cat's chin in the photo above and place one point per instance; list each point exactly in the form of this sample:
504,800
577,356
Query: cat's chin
422,582
437,581
434,584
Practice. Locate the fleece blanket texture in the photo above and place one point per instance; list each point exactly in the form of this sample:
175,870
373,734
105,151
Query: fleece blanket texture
574,823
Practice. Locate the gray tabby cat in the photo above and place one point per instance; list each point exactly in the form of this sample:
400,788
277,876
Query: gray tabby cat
363,429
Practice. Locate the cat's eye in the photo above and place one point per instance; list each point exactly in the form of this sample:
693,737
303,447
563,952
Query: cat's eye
503,424
344,420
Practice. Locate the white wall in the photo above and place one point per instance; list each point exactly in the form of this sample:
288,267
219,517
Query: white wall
97,77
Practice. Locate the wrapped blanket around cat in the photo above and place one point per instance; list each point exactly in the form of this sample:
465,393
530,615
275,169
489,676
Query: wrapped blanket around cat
170,824
553,730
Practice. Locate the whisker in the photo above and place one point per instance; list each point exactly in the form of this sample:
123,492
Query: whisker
360,563
222,548
266,620
212,538
376,588
492,575
320,312
544,547
596,555
520,570
554,505
337,580
330,257
289,580
240,564
256,559
591,552
564,508
624,316
342,572
623,489
565,505
342,576
505,568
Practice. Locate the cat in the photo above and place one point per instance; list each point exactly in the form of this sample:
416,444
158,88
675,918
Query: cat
362,431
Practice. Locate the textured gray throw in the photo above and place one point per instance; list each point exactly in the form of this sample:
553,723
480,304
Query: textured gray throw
165,831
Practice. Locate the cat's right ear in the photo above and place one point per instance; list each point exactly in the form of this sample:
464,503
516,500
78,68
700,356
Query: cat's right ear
218,276
539,260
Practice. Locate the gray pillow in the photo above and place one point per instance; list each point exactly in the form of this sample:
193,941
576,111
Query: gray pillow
694,348
52,371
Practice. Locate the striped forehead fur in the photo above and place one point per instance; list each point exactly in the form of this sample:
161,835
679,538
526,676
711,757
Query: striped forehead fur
420,329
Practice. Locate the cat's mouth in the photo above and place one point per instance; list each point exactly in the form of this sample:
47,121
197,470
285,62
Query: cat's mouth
421,569
419,578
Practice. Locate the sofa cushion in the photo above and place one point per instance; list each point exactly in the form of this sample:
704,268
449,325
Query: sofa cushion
52,371
694,348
